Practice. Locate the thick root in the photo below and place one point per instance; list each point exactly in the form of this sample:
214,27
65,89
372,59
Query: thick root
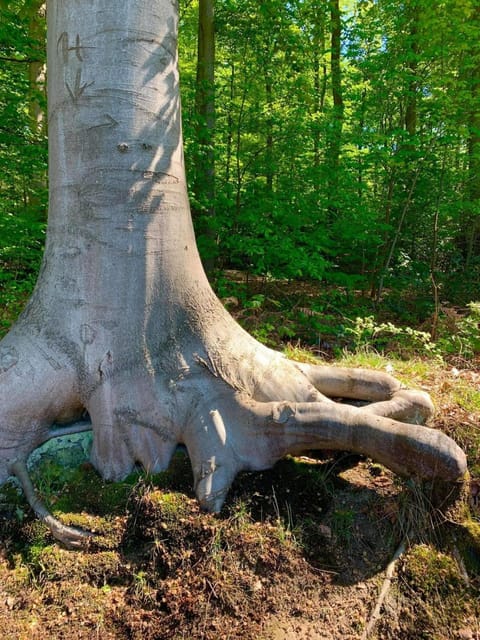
407,449
139,416
413,407
71,537
383,392
37,389
242,434
355,384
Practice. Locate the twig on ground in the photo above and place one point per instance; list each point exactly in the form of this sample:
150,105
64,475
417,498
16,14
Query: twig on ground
384,590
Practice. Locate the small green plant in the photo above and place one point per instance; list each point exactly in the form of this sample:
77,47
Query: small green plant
342,524
265,334
241,517
50,478
284,526
466,395
367,334
296,352
142,590
217,549
255,302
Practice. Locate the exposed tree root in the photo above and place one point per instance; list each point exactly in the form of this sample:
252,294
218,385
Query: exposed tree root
241,434
139,418
227,431
58,431
71,537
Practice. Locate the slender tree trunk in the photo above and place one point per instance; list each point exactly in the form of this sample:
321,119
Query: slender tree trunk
396,237
412,69
434,258
383,250
35,12
123,323
319,79
204,186
472,219
230,131
335,137
269,153
238,162
361,126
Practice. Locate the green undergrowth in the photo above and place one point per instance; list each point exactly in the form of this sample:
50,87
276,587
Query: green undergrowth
21,247
442,603
169,561
329,320
467,396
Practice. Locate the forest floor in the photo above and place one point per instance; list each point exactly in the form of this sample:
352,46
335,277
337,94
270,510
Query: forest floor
300,552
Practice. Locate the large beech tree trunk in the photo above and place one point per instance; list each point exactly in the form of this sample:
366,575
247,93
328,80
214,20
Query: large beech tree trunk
123,322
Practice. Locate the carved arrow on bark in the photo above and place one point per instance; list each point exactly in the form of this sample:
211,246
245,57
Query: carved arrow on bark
78,88
110,123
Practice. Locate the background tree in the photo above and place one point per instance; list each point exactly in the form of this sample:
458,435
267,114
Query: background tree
335,133
23,157
204,163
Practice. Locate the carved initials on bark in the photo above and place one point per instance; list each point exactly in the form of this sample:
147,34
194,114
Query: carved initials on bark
62,44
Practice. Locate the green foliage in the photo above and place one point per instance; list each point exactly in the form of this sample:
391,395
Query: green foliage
342,524
405,204
23,154
465,340
386,207
468,397
366,333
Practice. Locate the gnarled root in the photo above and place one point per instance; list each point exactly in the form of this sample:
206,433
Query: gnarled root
356,384
233,414
385,393
71,537
238,433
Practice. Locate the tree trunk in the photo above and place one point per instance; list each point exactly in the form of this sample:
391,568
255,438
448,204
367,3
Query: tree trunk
269,152
35,12
335,137
471,220
123,323
411,107
36,73
204,186
319,81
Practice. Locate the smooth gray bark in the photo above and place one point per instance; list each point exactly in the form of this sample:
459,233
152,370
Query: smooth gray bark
123,323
